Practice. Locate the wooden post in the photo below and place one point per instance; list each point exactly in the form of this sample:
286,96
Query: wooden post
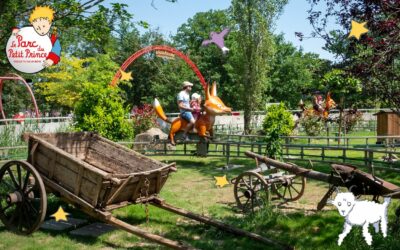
340,118
228,152
344,155
141,233
218,224
370,160
287,145
302,152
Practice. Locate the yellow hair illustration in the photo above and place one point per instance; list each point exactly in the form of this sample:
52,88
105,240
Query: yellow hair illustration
42,12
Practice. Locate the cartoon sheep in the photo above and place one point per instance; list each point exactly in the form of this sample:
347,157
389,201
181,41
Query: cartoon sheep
361,213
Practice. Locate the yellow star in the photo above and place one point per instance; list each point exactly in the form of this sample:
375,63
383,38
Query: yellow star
60,215
357,29
126,76
221,181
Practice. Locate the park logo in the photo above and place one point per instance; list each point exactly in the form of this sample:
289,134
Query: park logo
31,49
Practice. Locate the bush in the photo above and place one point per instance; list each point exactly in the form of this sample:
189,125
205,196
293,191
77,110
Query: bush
278,122
143,118
100,108
313,125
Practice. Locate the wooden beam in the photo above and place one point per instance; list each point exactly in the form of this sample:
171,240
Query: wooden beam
207,220
144,234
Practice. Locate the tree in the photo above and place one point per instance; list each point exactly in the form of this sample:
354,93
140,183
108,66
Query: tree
375,58
61,85
253,49
294,74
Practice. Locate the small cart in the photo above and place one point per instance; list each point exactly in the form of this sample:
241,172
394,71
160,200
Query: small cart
95,175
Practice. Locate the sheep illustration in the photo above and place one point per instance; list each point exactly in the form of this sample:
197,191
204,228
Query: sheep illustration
361,213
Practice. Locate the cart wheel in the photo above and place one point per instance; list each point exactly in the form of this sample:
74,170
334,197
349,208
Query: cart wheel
291,188
23,199
251,191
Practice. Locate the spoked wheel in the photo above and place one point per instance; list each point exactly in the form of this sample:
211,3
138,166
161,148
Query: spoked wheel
291,188
251,191
23,199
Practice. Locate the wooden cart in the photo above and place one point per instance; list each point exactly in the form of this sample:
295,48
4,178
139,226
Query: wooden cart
253,189
92,173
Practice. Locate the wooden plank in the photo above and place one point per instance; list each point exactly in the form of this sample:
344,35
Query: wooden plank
141,233
52,164
69,156
99,161
79,181
127,161
218,224
121,187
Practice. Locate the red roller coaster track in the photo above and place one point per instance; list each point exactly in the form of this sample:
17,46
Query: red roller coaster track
148,49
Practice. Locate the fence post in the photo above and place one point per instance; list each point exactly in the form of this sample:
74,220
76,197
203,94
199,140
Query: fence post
228,149
344,155
370,162
165,147
302,152
287,144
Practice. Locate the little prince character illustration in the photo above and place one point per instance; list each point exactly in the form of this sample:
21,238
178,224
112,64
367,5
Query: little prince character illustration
42,19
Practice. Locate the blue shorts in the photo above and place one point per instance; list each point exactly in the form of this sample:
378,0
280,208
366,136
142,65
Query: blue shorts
187,116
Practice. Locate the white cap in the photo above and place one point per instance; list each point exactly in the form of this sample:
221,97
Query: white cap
186,83
195,96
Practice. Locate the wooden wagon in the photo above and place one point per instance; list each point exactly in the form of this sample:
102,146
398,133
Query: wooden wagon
92,173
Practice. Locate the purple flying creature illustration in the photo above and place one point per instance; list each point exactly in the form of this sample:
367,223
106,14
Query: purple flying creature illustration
218,39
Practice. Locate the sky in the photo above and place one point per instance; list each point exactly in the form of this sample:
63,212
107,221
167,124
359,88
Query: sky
169,16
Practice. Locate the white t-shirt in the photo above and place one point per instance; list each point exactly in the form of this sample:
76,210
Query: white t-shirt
185,98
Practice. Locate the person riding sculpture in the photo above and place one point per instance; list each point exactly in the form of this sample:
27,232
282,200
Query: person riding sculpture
185,110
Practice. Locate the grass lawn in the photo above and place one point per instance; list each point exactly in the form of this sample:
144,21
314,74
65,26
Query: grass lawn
192,187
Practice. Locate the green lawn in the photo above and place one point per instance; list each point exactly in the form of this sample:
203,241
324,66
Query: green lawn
192,188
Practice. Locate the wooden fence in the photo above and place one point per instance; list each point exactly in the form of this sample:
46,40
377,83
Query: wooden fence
368,157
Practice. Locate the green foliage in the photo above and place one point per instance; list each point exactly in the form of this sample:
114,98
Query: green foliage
294,73
278,117
277,122
61,85
341,84
252,50
313,125
15,98
100,109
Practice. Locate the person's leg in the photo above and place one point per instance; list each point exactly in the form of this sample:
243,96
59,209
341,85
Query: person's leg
188,117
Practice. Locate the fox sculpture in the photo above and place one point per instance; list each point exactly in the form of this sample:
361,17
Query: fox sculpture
203,126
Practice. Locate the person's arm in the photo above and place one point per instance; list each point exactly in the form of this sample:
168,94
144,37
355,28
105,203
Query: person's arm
182,106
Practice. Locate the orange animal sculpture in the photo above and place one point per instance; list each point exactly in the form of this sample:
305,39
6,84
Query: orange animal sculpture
329,104
213,106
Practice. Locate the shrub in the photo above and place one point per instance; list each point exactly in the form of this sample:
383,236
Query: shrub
278,122
313,125
100,109
143,118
